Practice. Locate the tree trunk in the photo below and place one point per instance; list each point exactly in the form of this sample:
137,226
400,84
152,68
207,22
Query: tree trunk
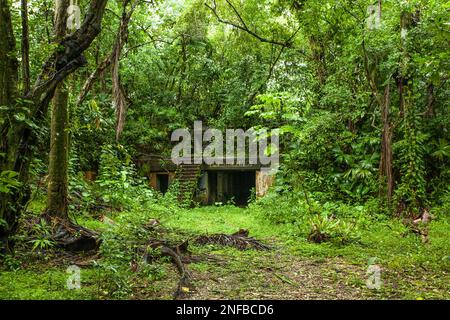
386,145
8,61
386,170
25,48
57,204
8,95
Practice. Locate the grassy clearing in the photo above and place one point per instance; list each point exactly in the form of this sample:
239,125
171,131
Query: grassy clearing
410,268
294,269
388,241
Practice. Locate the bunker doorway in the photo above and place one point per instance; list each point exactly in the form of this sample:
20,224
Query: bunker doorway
230,185
162,182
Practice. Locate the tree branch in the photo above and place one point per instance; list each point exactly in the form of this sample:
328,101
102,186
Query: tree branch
243,27
120,40
67,57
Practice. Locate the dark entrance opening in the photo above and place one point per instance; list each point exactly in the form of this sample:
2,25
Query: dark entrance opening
162,182
230,185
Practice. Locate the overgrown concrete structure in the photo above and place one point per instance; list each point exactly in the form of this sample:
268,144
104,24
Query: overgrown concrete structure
207,184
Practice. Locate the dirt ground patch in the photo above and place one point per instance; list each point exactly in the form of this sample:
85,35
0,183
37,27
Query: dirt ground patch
277,275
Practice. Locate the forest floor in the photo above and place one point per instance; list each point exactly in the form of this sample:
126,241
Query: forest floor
298,269
292,269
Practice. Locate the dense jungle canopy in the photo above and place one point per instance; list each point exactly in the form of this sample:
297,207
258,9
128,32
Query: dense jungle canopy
358,89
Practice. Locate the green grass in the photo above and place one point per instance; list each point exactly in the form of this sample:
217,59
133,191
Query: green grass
224,219
416,269
388,241
411,269
47,283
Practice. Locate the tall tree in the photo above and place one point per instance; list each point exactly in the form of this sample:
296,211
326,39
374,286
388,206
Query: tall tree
18,135
8,95
25,48
57,204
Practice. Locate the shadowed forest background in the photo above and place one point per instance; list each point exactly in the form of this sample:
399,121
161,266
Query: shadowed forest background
359,90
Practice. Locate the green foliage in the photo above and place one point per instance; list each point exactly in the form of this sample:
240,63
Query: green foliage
442,150
118,181
411,190
324,228
10,262
41,236
123,246
9,181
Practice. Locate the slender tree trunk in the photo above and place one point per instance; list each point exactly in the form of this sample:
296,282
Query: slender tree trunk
386,144
183,54
386,165
57,204
25,48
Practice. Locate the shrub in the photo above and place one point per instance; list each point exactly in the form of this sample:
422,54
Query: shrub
122,250
324,229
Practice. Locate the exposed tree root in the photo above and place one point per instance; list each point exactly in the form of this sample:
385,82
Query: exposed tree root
64,233
180,254
185,285
72,237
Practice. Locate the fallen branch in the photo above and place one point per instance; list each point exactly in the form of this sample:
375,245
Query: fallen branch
176,254
180,255
239,240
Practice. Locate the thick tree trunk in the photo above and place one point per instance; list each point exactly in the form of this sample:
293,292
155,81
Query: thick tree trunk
8,61
8,95
57,204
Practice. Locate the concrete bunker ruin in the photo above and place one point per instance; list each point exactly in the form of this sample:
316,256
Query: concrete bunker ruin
207,184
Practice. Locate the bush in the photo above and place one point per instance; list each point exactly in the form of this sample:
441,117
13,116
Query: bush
122,250
319,222
118,185
324,229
